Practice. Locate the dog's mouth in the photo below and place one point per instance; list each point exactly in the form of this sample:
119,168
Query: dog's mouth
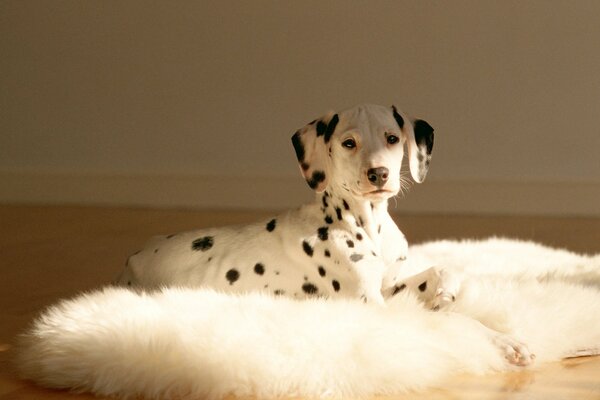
379,193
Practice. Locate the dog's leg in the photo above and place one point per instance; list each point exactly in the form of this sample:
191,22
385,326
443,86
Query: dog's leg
436,287
515,352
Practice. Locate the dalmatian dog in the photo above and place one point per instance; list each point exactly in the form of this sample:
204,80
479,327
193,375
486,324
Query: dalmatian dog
345,244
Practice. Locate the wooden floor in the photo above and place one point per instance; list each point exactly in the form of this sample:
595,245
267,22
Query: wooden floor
47,253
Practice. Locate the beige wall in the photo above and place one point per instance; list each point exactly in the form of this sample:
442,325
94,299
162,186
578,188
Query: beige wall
98,89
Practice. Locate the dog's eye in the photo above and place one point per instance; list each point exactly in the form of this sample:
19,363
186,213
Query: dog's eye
392,139
349,143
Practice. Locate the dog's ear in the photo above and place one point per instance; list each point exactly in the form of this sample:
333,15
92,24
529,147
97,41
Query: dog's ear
419,140
311,144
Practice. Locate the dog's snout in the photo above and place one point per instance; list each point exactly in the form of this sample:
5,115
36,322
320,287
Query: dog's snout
378,176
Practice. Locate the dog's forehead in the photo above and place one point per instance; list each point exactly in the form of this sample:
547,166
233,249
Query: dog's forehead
367,118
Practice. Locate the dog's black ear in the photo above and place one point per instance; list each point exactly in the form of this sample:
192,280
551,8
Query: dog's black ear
311,143
419,139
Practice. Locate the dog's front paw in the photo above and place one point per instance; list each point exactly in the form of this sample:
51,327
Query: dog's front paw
514,351
446,286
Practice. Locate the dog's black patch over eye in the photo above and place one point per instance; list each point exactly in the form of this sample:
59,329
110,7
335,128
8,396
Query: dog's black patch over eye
321,128
232,275
309,288
307,248
349,144
336,285
331,127
271,225
259,269
392,139
203,244
398,117
323,233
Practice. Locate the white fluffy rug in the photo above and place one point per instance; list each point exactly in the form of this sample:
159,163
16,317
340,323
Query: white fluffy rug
182,343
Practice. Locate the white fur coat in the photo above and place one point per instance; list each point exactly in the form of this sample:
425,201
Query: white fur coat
180,343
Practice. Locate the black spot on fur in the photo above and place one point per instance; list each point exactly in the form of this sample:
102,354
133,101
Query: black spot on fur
379,229
155,251
336,285
304,166
279,292
298,146
317,177
322,271
360,221
128,283
424,134
346,206
307,248
423,286
398,117
170,236
372,206
331,127
309,288
328,219
398,289
327,253
203,243
350,243
321,128
356,257
324,199
259,268
401,258
209,259
271,225
338,212
232,275
359,236
323,233
374,254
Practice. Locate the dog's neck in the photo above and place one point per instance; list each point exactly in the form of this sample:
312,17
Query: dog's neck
338,204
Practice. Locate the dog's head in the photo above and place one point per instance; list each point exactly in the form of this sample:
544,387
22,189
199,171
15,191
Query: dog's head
360,150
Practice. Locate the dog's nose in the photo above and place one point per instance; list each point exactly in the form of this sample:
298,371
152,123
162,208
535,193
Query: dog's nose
378,176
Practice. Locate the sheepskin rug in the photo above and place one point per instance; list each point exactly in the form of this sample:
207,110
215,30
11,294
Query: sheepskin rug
184,343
